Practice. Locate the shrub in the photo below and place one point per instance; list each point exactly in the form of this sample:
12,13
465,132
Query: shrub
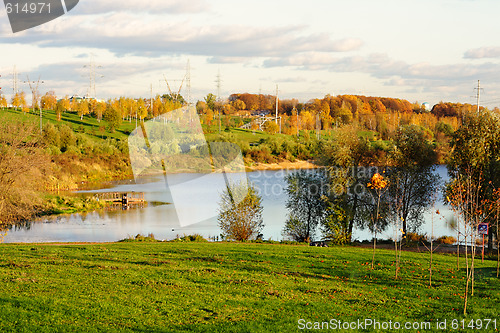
53,150
446,240
67,137
140,238
190,238
261,154
72,150
415,237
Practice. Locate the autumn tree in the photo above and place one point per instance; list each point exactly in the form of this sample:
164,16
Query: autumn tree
65,103
82,108
210,100
3,101
307,120
142,111
48,101
476,155
113,115
59,109
271,127
74,103
227,109
412,175
240,212
19,100
21,171
252,102
379,185
99,110
201,107
347,157
238,105
305,203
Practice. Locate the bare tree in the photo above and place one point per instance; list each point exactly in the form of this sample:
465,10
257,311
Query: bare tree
465,194
22,167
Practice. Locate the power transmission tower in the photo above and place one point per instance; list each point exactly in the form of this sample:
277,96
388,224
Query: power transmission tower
151,101
92,74
478,96
175,96
318,127
218,97
15,85
188,82
34,101
277,101
261,98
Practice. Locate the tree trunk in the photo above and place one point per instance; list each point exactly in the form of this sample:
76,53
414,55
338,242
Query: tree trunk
374,246
498,257
351,222
490,242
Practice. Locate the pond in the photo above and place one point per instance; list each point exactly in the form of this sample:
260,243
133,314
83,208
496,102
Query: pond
162,218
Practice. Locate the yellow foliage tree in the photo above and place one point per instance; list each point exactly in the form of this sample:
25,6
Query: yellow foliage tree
48,101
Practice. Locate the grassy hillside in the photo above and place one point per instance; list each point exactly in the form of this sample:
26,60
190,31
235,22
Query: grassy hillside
88,125
223,287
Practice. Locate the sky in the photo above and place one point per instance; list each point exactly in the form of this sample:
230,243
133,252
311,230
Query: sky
426,51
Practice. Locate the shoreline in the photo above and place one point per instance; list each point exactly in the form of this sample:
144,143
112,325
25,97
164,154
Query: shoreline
298,164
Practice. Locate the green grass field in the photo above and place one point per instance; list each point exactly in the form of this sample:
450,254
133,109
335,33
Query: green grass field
88,125
224,287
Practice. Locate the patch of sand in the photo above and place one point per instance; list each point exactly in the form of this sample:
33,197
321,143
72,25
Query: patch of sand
282,165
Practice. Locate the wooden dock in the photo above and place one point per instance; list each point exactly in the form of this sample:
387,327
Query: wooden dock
124,198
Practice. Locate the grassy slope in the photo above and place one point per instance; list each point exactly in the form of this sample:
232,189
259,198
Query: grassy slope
89,124
206,287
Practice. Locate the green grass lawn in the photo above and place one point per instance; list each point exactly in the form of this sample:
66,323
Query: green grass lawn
223,287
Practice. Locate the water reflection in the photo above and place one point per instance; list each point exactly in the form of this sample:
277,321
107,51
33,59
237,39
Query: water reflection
160,218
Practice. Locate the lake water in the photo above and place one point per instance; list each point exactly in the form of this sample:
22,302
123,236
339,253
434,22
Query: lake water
162,219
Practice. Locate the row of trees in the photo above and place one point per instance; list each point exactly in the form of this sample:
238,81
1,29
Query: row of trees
377,114
337,198
346,193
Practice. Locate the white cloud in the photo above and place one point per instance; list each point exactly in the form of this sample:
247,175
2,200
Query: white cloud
127,34
483,52
134,6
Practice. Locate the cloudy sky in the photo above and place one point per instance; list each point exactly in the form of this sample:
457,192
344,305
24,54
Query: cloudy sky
427,50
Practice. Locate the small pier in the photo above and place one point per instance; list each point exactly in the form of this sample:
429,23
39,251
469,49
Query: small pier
123,198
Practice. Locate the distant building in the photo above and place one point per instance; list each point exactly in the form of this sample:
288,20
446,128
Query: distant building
426,106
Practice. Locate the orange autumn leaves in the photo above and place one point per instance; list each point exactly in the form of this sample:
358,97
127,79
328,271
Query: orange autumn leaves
377,182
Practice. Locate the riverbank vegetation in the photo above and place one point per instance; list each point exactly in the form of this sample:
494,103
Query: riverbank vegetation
228,287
